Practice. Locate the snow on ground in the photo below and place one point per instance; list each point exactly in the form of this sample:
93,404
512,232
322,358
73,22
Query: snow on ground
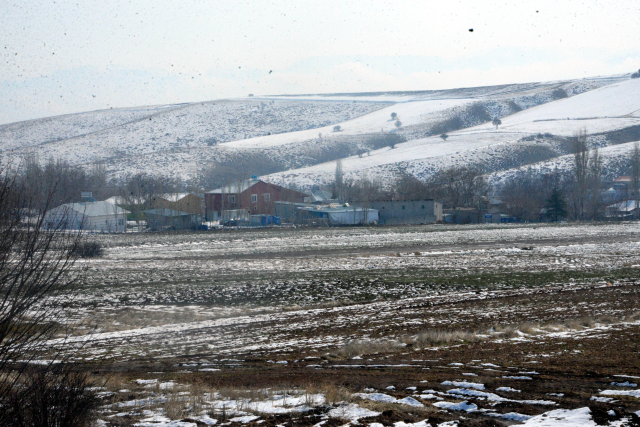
101,136
409,113
460,406
385,398
614,158
619,101
606,109
175,140
562,417
351,411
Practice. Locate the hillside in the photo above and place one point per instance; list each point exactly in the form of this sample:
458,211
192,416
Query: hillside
611,115
292,138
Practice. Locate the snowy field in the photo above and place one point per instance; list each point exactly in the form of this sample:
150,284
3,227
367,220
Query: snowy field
424,325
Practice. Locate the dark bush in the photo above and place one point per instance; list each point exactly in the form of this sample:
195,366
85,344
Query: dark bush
635,75
514,107
449,125
378,141
50,397
471,116
559,94
477,113
88,250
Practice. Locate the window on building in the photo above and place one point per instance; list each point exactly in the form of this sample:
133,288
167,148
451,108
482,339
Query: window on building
254,198
422,206
267,197
120,221
232,199
255,208
266,206
403,207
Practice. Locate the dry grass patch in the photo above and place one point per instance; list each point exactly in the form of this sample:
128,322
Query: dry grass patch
415,411
359,347
441,336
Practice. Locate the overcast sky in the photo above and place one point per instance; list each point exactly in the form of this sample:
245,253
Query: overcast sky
63,57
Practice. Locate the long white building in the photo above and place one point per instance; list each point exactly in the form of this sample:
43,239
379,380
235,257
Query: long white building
89,216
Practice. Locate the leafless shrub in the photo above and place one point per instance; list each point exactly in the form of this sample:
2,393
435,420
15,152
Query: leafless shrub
50,396
174,407
88,250
333,393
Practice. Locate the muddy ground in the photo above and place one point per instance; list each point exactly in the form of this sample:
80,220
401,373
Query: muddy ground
549,312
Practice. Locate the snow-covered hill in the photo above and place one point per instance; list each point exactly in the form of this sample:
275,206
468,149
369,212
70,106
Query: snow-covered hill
615,158
523,138
293,137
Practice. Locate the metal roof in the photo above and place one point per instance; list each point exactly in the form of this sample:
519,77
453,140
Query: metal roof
626,206
167,212
174,197
334,209
93,208
237,187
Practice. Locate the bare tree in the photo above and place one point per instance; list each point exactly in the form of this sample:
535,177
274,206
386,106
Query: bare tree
408,187
458,187
338,181
595,184
37,254
581,163
496,122
635,173
393,116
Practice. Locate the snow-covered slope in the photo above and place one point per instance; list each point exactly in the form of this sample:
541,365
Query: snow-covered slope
294,134
615,158
168,129
601,111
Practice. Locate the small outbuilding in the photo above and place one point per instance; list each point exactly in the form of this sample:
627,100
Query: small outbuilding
624,210
162,219
393,212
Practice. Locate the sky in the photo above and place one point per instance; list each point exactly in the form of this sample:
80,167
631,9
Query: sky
62,57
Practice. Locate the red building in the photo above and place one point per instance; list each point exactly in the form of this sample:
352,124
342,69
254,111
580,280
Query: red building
254,196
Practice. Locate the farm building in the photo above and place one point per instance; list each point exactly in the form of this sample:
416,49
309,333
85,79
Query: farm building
336,215
254,195
408,212
90,216
288,211
627,209
320,196
162,218
184,202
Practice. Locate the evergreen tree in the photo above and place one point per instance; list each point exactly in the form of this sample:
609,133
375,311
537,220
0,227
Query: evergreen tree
556,204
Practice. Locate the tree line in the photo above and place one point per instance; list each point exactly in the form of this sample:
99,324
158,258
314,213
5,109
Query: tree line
575,193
